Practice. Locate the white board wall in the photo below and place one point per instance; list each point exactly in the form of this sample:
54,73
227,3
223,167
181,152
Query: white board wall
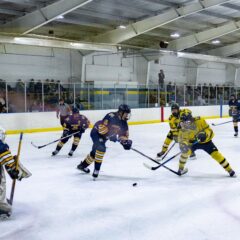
22,62
38,120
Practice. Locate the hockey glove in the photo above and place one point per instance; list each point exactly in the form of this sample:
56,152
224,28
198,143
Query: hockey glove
201,137
84,127
113,138
127,144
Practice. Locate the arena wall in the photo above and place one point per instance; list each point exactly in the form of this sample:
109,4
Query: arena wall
47,121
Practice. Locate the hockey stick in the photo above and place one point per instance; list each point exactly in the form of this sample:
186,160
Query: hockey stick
53,141
221,123
159,165
17,164
163,164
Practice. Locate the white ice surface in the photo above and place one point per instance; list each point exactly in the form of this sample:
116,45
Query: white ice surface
58,202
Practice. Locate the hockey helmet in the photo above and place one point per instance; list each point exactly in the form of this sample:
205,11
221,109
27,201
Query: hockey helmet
75,110
124,108
125,111
2,134
175,109
175,106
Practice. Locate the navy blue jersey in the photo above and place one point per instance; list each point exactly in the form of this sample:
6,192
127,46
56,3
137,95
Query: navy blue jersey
112,124
6,157
234,103
76,122
234,108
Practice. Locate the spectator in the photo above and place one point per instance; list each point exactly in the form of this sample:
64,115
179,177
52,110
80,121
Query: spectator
31,86
161,77
38,87
201,101
3,108
35,107
2,85
20,86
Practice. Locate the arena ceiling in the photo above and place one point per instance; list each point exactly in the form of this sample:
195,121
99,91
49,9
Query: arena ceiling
205,27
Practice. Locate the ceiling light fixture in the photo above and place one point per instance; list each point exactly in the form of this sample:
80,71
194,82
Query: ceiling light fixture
122,27
216,41
60,17
175,35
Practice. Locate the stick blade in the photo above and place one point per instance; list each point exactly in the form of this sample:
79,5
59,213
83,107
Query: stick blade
34,145
147,166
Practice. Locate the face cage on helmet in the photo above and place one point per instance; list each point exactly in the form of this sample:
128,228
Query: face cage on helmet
187,124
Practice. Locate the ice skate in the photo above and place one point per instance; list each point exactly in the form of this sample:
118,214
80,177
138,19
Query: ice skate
81,168
95,174
232,174
182,171
70,154
5,210
55,152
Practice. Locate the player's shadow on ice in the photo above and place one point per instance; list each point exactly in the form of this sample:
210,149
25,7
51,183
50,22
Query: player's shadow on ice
105,177
116,177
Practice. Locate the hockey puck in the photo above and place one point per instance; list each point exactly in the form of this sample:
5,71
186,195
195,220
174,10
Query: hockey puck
134,184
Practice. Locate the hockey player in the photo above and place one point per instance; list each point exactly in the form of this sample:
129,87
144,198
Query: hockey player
113,127
174,120
234,112
196,134
8,162
75,123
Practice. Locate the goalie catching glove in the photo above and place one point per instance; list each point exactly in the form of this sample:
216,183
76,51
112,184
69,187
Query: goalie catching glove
127,144
19,173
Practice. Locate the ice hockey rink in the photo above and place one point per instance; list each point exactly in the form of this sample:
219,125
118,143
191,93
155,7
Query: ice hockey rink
59,202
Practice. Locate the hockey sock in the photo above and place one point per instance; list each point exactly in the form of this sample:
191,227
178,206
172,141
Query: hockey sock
74,147
221,160
75,143
98,159
59,146
87,161
236,129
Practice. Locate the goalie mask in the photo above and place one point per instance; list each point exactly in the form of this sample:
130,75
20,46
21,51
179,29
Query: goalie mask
2,134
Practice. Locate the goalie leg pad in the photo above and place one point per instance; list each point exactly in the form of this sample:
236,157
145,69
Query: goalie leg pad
5,208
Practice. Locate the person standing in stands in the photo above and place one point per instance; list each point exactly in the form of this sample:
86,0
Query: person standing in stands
63,110
161,77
